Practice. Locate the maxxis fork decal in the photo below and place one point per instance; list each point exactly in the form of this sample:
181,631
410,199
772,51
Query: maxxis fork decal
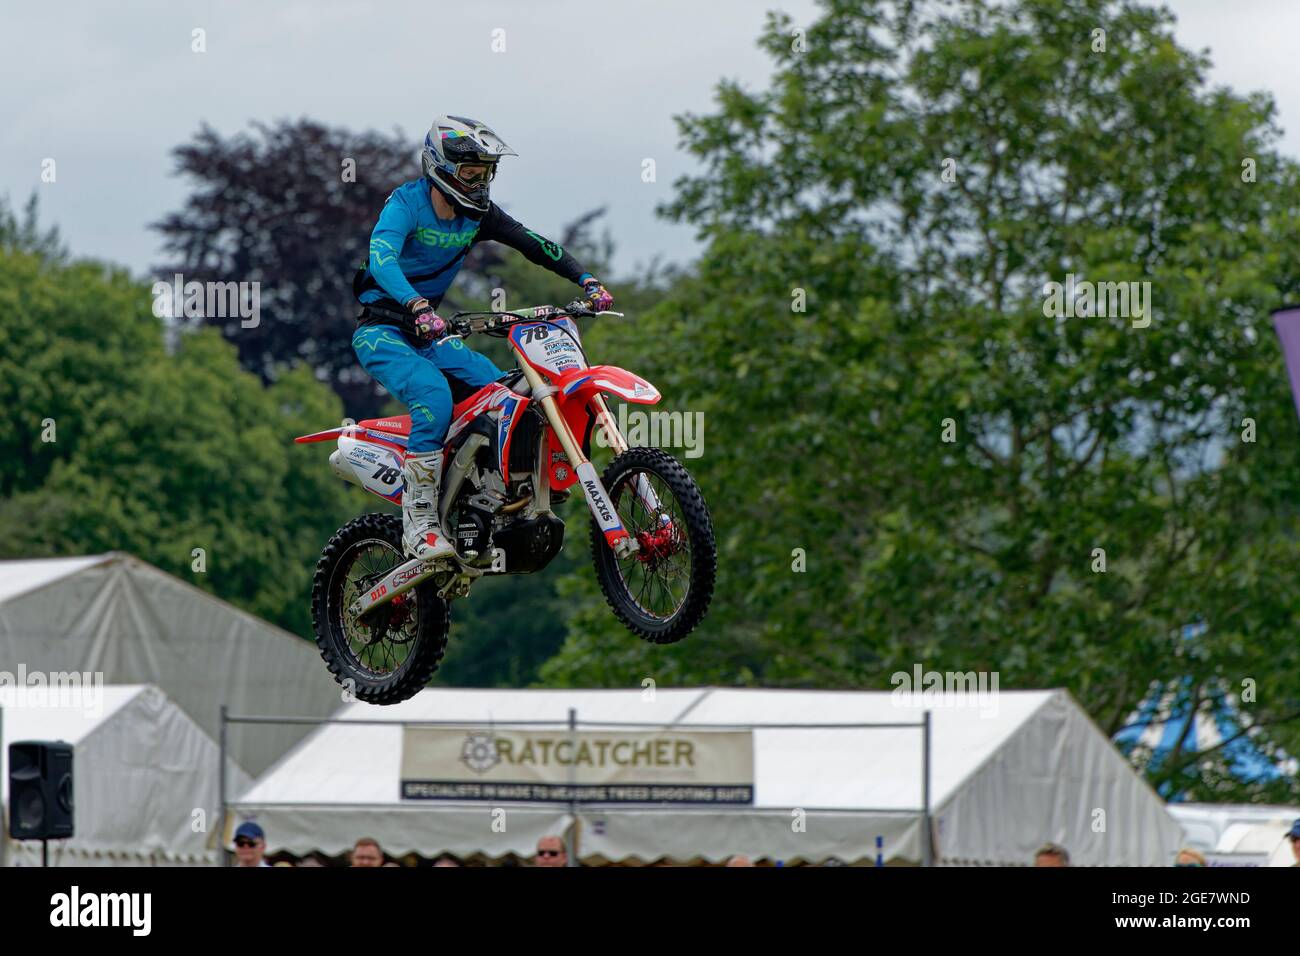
598,501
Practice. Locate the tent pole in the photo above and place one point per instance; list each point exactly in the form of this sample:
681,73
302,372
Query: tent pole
927,847
4,813
221,786
572,837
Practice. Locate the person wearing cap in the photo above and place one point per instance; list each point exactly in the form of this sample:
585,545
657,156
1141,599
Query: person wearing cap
1294,836
250,845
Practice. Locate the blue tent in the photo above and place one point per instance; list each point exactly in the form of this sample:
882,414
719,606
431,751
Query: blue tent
1164,723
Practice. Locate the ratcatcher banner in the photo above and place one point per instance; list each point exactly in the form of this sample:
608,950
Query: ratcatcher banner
651,766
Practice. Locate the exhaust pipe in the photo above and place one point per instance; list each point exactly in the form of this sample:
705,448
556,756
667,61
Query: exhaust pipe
342,470
455,477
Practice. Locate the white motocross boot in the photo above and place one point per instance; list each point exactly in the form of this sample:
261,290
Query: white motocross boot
422,535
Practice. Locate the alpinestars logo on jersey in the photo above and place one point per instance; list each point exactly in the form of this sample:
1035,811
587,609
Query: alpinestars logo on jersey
445,240
552,249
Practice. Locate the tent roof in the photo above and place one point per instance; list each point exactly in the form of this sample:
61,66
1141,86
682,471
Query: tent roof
71,724
1016,767
20,577
115,616
793,767
141,769
1235,827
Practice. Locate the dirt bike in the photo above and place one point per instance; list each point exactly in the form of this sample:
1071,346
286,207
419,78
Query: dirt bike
514,449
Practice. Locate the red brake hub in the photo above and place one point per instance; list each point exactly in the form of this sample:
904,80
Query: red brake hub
656,544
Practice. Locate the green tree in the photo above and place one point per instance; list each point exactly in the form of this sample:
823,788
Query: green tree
26,234
951,459
113,440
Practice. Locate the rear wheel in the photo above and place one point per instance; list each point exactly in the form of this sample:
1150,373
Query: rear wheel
392,654
662,591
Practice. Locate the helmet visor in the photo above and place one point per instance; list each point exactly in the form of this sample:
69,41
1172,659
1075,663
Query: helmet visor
475,174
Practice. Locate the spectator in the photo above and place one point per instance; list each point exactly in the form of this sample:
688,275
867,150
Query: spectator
446,860
366,852
1189,857
1052,854
551,852
1294,836
311,859
250,845
740,860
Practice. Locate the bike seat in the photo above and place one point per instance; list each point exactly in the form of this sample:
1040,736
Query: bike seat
401,424
398,425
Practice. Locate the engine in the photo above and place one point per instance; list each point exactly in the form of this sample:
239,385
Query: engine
494,526
473,530
528,544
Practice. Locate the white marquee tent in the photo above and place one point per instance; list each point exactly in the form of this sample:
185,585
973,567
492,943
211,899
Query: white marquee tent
1239,834
140,770
1008,772
131,623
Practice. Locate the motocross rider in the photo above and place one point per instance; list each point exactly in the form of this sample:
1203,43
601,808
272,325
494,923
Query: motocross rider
424,232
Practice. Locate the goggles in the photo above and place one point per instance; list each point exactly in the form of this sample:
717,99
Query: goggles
475,174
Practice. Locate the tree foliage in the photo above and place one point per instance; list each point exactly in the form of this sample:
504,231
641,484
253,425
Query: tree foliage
111,440
827,430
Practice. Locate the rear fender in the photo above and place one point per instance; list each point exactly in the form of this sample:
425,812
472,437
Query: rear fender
320,436
366,457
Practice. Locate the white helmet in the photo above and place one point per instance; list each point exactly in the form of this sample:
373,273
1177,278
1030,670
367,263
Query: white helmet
460,157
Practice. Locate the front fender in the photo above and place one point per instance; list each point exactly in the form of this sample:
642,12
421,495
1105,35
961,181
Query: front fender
583,383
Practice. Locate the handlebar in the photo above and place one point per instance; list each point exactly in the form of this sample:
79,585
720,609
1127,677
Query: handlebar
470,323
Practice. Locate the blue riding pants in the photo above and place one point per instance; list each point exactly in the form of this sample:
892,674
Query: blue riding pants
417,377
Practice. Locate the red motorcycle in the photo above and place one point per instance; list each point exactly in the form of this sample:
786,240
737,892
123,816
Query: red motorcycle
515,448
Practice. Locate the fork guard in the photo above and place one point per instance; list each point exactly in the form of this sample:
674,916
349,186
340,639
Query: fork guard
583,383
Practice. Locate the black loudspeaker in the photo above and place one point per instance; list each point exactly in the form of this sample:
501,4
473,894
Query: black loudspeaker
40,790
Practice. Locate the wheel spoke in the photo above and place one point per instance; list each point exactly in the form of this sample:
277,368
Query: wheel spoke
649,580
382,647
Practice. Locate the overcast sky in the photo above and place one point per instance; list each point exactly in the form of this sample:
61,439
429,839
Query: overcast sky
585,90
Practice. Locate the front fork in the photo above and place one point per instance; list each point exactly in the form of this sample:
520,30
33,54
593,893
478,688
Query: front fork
645,493
602,509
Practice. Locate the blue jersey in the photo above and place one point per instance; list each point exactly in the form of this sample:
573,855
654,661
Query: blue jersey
409,242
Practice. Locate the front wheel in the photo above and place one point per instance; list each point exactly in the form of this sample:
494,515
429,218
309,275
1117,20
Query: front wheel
662,591
391,655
